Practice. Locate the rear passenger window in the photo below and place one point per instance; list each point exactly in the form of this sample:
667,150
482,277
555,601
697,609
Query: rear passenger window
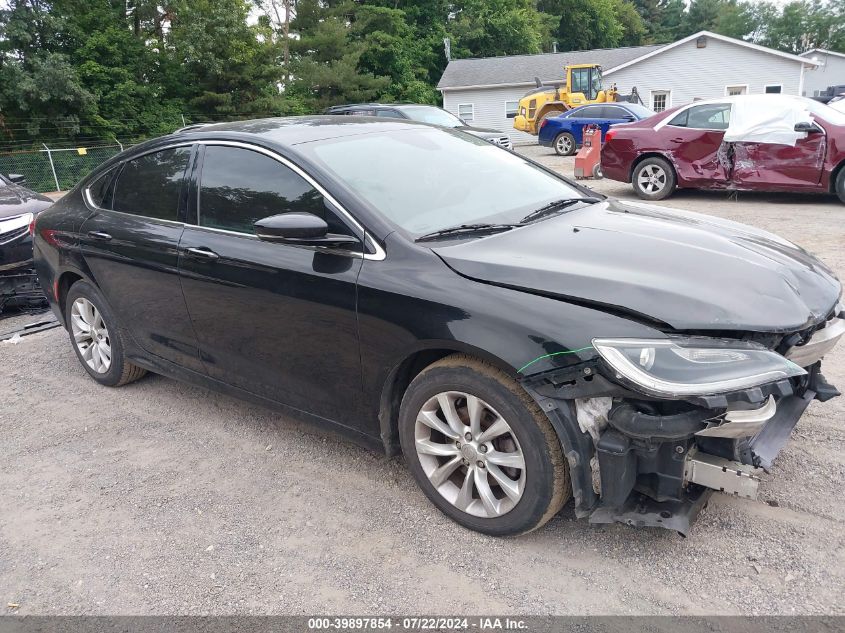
150,184
240,186
705,117
593,112
613,112
100,190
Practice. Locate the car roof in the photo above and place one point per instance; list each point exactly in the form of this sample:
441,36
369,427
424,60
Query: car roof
301,129
366,106
621,104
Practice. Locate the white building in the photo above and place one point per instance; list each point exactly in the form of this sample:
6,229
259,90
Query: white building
830,72
705,65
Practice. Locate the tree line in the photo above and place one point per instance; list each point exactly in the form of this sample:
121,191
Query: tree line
84,70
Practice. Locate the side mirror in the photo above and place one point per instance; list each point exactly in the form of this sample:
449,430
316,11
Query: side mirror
806,126
18,179
299,228
630,118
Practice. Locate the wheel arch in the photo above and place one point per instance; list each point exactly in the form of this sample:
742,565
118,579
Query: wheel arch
408,368
646,155
62,286
835,174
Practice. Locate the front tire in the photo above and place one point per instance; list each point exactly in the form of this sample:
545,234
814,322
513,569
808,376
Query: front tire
565,144
481,449
97,338
653,179
840,184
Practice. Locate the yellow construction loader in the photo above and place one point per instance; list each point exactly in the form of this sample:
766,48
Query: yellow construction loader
582,86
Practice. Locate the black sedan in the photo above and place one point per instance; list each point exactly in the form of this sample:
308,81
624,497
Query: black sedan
423,114
18,208
522,341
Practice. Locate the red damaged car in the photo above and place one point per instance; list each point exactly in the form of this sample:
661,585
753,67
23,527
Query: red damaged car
745,143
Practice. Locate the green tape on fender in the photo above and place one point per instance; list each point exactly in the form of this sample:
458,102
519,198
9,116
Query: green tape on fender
539,358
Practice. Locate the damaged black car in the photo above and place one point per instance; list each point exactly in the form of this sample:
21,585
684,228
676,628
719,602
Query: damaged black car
521,340
18,207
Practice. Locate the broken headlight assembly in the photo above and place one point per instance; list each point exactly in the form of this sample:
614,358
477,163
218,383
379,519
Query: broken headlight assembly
678,367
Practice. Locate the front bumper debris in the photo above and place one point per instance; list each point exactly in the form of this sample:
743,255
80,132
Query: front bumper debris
721,474
655,463
820,343
20,289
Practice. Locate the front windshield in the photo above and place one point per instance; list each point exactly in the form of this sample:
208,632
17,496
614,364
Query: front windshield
427,179
435,116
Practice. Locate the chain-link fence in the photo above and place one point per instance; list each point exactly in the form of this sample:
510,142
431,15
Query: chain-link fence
51,169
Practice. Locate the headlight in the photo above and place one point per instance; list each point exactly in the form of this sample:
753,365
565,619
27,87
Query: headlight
693,366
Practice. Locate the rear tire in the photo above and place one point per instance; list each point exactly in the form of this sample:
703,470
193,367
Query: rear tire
564,144
653,179
509,476
97,338
840,184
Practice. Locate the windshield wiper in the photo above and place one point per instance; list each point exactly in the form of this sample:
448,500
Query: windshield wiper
466,228
555,207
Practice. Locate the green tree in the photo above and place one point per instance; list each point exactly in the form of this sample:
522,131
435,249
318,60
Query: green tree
702,15
488,28
671,23
586,24
40,90
326,58
634,32
737,20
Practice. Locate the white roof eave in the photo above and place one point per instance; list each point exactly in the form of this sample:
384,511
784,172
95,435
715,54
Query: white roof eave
722,38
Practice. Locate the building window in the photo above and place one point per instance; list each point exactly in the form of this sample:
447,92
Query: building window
660,100
511,108
734,91
466,112
774,89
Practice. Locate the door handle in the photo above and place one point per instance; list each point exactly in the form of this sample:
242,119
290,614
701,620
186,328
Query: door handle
201,253
99,235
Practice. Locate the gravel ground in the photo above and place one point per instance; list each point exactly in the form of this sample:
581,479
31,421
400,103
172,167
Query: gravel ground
163,498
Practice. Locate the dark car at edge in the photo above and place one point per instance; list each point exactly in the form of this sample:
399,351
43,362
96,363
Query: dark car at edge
520,340
18,207
423,114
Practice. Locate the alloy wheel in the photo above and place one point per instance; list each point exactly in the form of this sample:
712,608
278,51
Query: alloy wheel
564,145
90,335
470,454
652,179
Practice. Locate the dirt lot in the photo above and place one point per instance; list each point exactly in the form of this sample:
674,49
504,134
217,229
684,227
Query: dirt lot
162,498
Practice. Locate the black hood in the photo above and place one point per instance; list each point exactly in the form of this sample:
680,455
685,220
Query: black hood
15,200
689,271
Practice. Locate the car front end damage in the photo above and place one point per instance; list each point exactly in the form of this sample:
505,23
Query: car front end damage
651,428
18,281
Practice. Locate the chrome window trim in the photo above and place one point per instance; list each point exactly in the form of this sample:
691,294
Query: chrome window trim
379,254
253,236
89,201
379,251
